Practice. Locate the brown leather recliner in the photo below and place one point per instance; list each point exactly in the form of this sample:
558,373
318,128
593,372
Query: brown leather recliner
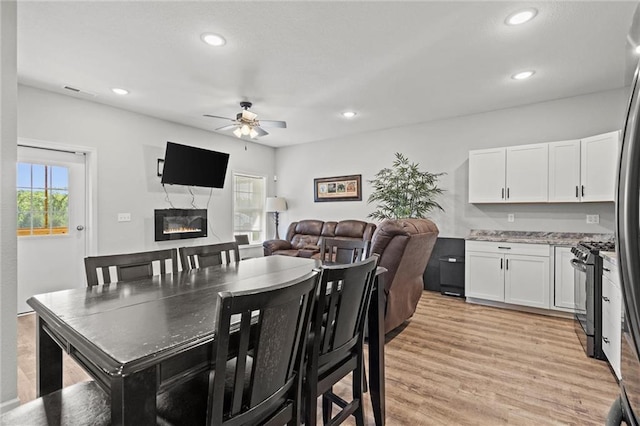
303,237
404,246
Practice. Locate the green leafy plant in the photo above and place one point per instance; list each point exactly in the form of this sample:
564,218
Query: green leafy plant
404,191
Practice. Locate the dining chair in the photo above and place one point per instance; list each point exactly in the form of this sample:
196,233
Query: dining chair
336,346
214,254
129,266
343,251
242,239
260,350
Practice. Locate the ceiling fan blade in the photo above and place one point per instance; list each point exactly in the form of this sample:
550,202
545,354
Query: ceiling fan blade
248,115
227,127
217,116
273,123
260,131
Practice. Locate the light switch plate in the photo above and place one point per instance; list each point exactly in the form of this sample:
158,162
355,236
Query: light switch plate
511,217
124,217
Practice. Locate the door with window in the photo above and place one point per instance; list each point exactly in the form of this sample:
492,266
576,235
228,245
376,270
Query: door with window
51,211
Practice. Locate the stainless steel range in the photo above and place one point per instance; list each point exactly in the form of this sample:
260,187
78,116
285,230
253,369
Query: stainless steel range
587,265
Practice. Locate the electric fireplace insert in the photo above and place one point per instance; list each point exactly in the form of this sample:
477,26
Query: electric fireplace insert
177,224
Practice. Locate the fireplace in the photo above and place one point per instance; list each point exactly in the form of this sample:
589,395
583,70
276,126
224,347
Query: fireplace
177,224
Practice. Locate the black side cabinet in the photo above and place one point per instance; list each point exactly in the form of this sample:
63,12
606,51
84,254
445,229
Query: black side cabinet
444,247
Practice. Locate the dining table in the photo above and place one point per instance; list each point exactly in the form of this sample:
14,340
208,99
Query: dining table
137,338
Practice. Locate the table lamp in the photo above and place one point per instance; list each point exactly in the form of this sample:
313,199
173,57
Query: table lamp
276,205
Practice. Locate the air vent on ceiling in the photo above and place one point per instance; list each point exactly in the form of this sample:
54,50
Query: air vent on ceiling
80,92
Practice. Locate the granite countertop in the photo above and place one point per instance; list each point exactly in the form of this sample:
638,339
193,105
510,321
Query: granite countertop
611,256
530,237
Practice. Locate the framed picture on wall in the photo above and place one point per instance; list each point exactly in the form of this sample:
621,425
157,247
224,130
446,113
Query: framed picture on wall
339,188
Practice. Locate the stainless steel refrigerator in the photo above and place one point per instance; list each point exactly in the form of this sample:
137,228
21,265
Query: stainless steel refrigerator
627,406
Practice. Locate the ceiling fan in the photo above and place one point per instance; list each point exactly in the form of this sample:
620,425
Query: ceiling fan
246,123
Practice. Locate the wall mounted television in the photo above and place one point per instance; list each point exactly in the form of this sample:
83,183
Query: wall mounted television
192,166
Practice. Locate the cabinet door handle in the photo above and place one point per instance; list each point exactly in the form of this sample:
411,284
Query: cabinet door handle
577,194
507,192
507,264
605,298
606,340
583,190
503,193
501,263
505,248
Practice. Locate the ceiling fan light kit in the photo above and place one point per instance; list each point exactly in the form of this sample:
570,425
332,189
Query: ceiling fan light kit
246,123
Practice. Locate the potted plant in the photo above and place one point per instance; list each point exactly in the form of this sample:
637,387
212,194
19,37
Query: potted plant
404,191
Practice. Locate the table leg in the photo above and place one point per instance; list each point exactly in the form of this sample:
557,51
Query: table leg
376,351
49,361
133,398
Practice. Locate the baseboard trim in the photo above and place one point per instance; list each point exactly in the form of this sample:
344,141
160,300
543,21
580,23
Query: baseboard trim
9,405
531,310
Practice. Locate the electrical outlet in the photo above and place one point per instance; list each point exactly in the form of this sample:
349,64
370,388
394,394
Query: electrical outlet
593,218
124,217
511,217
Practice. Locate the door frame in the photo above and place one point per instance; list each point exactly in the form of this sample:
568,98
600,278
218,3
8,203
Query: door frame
91,185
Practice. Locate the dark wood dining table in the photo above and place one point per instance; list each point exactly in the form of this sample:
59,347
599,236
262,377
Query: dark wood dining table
138,338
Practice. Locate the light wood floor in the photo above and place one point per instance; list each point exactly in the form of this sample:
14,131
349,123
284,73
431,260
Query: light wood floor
462,364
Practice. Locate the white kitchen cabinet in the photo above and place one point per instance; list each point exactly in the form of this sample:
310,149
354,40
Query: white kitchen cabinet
564,171
527,173
567,171
599,165
611,315
564,293
484,275
508,272
513,174
487,169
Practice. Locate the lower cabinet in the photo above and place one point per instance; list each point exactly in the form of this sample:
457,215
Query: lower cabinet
508,272
611,316
564,293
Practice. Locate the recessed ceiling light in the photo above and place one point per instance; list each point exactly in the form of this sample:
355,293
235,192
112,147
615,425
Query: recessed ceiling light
118,91
213,39
349,114
523,75
521,17
637,50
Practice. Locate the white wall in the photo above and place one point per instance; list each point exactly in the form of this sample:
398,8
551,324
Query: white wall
128,146
8,244
442,146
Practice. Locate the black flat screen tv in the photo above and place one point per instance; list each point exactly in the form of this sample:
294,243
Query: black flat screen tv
191,166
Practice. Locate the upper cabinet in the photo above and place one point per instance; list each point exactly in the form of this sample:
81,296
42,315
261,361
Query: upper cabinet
487,169
599,166
513,174
566,171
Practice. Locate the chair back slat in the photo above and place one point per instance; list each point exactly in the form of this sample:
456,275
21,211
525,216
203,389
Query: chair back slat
209,255
268,350
338,250
129,266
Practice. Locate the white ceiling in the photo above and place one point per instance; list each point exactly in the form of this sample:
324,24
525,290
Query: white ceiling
395,63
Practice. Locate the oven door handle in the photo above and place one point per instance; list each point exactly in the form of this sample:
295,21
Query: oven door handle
579,265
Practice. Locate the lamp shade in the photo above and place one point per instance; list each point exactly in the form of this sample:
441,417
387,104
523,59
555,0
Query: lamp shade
276,204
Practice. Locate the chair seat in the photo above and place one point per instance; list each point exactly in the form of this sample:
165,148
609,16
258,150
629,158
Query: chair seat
78,405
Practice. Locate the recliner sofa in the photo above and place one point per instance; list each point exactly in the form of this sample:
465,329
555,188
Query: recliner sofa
303,238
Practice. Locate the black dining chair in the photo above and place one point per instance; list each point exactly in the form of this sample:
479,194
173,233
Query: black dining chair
210,255
337,250
336,344
256,378
129,266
